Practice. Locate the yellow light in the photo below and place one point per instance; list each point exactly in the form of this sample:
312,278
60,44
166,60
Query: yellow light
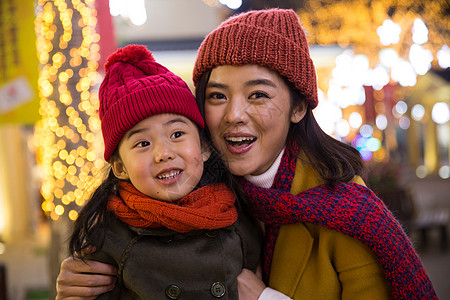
63,76
65,200
79,202
63,155
72,170
59,193
49,206
73,215
54,216
79,162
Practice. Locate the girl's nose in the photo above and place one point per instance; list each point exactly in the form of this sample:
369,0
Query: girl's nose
236,111
163,152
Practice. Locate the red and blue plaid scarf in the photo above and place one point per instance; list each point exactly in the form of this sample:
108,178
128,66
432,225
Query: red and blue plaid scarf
349,208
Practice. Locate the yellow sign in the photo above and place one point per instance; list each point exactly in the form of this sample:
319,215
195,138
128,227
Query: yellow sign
19,67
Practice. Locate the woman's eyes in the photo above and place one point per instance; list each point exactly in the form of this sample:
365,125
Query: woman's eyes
258,95
216,95
254,95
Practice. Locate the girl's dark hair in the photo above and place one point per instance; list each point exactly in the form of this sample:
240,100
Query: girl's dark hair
94,218
333,160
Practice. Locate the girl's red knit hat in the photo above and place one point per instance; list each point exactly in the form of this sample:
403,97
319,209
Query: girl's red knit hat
136,87
272,38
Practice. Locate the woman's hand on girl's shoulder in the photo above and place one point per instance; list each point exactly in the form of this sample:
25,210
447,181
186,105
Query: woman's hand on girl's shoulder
84,279
250,285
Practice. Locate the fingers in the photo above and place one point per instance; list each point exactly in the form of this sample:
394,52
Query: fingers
84,279
81,292
73,265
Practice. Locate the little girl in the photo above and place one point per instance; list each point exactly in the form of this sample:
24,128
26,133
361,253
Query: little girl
167,222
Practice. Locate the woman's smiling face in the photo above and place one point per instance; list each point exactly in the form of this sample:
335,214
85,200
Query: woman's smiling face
248,112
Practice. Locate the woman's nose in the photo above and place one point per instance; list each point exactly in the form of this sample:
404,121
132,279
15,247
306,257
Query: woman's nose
236,111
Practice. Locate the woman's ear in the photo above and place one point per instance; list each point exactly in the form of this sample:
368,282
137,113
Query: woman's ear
299,112
206,152
119,169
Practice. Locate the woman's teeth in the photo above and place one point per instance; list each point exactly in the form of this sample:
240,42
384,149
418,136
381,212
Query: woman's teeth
240,140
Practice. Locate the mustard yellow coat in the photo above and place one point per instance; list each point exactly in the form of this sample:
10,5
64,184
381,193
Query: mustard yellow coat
313,262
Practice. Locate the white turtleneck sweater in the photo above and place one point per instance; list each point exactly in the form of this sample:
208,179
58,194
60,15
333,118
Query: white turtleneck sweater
265,180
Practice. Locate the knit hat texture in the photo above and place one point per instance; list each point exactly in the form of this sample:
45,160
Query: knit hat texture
272,38
136,87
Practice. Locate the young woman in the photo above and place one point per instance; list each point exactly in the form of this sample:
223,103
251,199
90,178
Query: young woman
165,219
327,235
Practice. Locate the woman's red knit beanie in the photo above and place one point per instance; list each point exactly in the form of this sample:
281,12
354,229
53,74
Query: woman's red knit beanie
271,38
136,87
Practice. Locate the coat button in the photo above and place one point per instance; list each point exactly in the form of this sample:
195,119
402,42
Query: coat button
166,238
218,289
212,233
173,291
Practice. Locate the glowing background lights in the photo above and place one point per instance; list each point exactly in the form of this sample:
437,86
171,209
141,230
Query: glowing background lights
68,51
443,56
133,10
417,112
419,32
389,32
232,4
440,113
381,122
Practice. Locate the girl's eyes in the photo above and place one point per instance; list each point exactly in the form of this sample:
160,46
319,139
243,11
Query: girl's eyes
143,144
176,134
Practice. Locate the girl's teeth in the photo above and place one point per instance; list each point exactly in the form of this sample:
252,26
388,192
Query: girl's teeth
169,175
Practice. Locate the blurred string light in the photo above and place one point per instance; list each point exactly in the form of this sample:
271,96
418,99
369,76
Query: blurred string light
389,32
381,122
419,32
134,10
231,4
421,171
443,56
417,112
440,113
68,51
444,172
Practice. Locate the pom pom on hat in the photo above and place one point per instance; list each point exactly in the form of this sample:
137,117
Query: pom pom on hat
136,87
130,54
272,38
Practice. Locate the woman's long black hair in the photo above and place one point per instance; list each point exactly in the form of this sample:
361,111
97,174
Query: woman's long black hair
333,160
93,220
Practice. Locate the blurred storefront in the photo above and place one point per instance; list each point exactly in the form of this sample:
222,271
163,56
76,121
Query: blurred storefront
383,70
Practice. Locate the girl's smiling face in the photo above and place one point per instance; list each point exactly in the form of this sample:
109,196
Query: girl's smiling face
161,156
248,112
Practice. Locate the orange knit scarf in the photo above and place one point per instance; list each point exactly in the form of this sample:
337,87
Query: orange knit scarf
209,207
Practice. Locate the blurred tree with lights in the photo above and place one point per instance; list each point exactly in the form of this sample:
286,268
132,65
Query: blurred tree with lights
67,150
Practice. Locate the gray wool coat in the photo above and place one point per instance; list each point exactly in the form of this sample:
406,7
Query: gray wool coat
163,264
